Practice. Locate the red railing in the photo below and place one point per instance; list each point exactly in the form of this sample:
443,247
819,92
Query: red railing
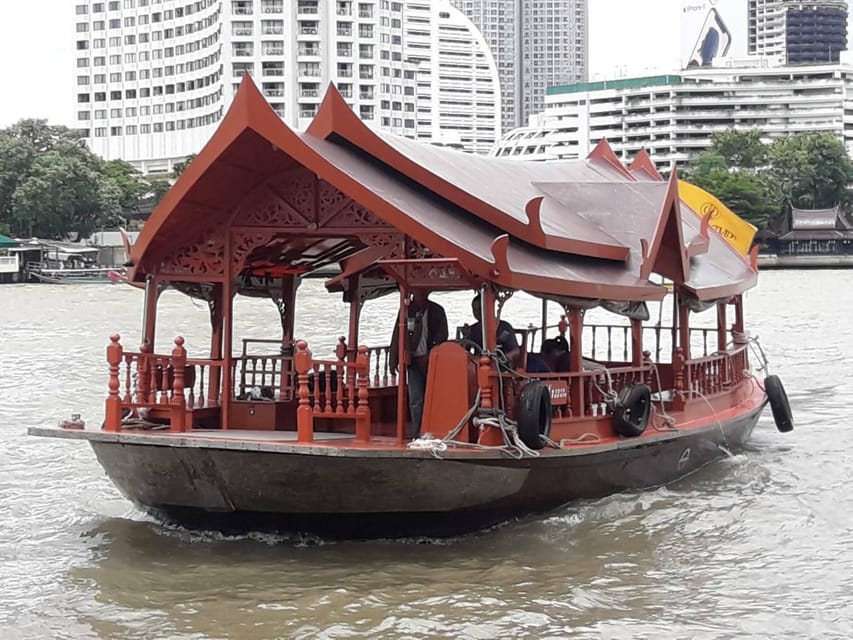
332,389
716,373
148,380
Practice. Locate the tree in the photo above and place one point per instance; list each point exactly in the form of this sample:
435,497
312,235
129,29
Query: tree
129,182
813,170
751,195
740,149
179,167
52,185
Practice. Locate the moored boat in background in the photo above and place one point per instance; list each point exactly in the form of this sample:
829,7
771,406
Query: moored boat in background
268,435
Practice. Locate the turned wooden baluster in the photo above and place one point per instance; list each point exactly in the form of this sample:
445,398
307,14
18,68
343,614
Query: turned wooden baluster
341,353
128,396
143,374
678,368
178,417
304,412
389,377
165,381
112,414
362,421
377,354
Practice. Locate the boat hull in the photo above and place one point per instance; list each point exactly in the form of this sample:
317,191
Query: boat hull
352,493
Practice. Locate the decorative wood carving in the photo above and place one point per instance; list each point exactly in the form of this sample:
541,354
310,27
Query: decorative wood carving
243,243
384,240
267,209
204,256
354,215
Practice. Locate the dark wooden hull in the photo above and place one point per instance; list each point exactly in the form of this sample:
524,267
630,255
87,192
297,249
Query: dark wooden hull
368,493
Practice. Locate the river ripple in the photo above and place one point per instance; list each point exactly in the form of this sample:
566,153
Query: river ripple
758,545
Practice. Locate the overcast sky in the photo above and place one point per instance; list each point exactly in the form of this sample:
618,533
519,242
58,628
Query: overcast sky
37,66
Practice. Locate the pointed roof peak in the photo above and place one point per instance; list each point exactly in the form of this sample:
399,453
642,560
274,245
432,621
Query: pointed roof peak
333,112
604,152
643,162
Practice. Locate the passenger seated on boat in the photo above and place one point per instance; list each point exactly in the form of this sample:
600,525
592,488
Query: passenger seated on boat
537,364
506,340
426,327
555,352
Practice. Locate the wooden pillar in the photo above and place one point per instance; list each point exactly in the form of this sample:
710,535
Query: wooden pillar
489,321
228,337
178,413
402,362
683,327
636,342
304,411
214,378
738,323
722,327
112,414
354,312
288,318
149,321
576,392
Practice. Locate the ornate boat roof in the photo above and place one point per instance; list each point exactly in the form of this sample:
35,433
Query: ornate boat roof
261,193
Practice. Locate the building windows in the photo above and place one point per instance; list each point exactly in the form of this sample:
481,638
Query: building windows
82,45
84,115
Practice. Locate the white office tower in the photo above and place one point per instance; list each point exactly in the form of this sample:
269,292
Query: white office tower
536,44
155,77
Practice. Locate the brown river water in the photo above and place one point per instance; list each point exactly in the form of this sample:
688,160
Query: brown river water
757,545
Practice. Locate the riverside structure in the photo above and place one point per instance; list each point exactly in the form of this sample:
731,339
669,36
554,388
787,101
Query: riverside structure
155,77
674,116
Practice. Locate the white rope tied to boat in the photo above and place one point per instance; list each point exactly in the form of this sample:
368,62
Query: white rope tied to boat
428,442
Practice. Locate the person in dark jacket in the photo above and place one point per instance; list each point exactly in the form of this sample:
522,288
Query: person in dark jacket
505,338
426,327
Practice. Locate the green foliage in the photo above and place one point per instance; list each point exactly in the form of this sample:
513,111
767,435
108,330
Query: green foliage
812,170
740,149
52,185
179,167
757,180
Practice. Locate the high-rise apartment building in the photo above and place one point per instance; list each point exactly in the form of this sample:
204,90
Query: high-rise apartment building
798,31
536,44
674,117
154,77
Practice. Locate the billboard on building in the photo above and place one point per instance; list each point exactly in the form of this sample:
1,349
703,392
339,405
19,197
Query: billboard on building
713,29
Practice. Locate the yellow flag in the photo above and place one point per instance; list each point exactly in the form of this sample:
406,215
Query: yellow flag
734,229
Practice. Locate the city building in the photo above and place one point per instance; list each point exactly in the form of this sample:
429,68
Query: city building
674,116
155,77
798,31
536,44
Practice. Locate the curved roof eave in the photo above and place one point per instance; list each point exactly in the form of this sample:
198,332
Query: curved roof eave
578,237
509,264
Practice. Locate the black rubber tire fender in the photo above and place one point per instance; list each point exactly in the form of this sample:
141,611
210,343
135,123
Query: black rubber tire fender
631,410
779,404
534,414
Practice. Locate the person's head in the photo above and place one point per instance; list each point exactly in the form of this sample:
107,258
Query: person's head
419,297
551,351
475,307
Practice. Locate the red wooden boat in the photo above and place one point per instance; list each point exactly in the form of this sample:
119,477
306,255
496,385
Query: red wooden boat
293,440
